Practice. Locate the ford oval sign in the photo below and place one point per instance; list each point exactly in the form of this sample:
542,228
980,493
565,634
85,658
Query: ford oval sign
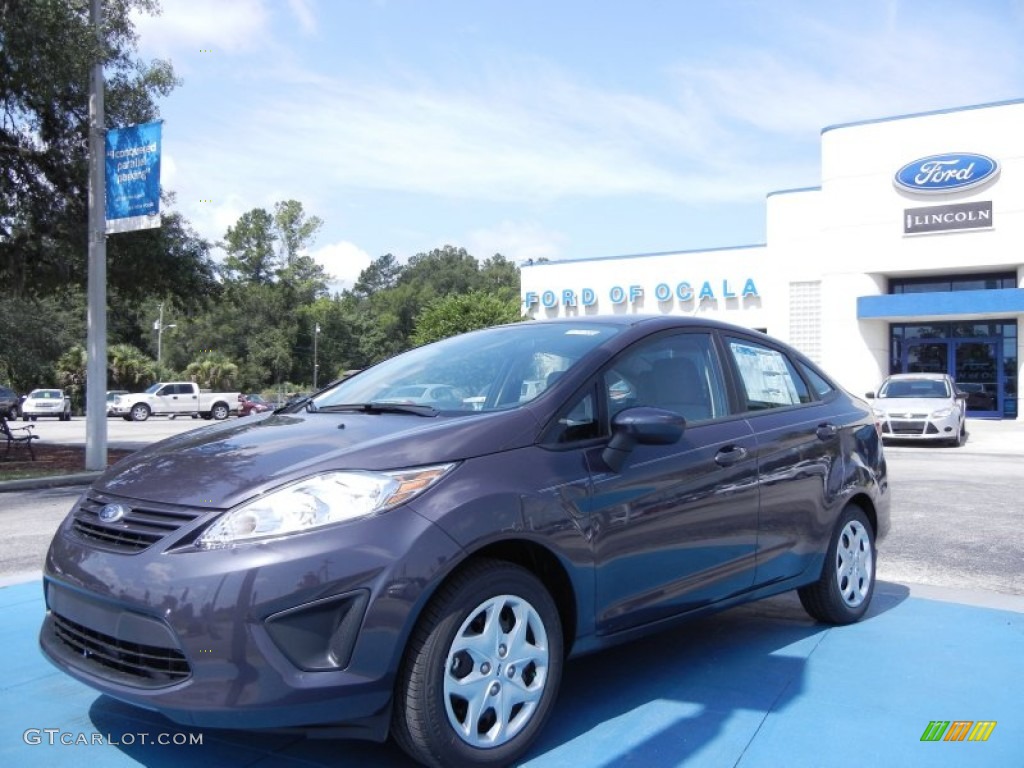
113,513
941,174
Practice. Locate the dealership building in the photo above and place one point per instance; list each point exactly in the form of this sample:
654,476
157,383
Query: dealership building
908,257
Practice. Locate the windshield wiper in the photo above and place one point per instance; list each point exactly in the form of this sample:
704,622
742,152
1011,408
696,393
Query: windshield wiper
417,410
294,405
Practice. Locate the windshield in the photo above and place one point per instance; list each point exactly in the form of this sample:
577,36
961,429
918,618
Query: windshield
927,388
493,369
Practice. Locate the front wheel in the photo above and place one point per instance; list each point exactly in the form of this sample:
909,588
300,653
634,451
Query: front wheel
482,669
842,593
140,412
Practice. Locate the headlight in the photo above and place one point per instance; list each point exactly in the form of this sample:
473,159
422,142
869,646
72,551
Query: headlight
879,413
942,413
318,501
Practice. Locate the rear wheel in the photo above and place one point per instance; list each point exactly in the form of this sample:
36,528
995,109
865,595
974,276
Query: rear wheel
842,593
220,411
482,669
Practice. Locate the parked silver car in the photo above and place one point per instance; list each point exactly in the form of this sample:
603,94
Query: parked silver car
921,406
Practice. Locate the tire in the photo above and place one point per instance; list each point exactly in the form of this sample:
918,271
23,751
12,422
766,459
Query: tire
140,412
961,437
502,602
220,411
843,592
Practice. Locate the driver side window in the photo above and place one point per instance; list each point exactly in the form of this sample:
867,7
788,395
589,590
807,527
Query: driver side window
677,373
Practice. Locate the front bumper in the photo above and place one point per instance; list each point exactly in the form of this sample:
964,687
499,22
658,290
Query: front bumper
57,410
299,632
920,426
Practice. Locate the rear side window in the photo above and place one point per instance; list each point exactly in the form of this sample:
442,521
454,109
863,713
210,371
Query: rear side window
769,378
818,383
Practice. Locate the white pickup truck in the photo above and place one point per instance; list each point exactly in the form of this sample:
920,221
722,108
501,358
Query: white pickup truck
175,398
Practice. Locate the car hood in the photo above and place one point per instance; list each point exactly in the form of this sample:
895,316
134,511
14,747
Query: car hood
224,464
902,405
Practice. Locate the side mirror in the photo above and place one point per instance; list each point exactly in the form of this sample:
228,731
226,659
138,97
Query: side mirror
869,395
644,426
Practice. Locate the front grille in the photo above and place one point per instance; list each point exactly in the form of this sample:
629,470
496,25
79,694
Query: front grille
142,527
131,663
906,427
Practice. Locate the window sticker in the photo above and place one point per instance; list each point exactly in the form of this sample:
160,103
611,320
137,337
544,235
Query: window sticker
765,375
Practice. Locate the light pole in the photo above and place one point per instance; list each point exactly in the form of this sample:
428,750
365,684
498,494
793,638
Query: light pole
316,365
158,326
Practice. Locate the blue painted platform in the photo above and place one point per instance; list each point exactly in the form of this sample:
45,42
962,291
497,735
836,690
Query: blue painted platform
760,686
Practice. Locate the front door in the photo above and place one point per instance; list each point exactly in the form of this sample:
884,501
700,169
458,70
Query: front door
676,528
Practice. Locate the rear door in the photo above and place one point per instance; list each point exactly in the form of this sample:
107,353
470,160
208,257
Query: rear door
797,421
677,527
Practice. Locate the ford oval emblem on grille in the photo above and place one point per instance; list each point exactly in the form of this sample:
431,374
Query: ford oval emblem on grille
939,174
112,513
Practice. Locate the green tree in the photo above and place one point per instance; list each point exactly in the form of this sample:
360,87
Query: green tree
295,230
442,271
47,50
250,248
459,313
382,274
35,332
500,276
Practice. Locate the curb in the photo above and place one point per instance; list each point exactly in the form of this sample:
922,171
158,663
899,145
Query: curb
54,481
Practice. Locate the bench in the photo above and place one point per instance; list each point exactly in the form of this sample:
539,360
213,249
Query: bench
18,436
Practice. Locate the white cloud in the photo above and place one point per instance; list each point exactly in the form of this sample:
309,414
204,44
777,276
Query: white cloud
516,241
343,261
304,14
224,25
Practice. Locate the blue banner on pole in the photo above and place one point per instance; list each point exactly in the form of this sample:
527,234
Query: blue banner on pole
133,177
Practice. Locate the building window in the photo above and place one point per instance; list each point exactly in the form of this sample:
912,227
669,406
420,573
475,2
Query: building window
947,283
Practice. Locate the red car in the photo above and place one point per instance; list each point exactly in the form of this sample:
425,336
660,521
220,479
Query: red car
252,404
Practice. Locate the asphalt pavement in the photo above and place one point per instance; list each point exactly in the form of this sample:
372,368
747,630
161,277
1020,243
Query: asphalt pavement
755,687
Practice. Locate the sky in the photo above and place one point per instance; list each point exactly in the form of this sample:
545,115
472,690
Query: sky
558,129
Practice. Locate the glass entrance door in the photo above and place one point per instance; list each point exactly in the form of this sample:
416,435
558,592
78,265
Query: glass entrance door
976,371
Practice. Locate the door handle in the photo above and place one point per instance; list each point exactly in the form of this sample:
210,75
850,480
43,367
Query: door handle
726,457
827,431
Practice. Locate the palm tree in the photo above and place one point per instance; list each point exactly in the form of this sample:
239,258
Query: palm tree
128,366
212,371
71,371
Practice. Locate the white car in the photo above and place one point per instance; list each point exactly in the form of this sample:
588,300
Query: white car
921,406
46,402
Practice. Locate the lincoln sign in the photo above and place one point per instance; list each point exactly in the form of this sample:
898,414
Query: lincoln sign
944,218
